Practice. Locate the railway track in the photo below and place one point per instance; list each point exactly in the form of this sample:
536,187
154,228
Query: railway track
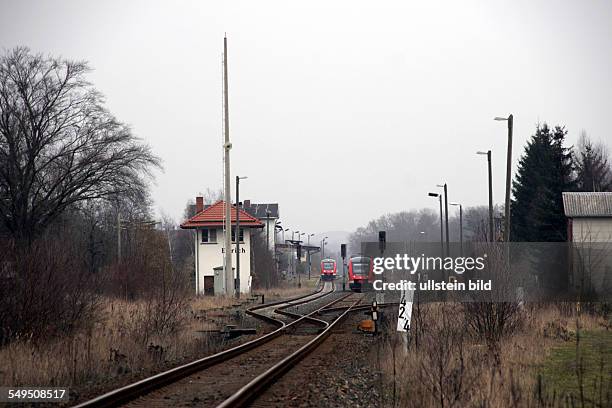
247,369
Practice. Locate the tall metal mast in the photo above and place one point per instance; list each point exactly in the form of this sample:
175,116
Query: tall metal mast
228,272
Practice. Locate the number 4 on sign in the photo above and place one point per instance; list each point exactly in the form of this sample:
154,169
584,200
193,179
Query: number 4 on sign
405,311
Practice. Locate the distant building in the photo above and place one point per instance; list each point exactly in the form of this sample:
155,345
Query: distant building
589,229
266,213
589,216
210,245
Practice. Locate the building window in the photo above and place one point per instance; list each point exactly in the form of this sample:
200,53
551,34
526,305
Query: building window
234,234
209,236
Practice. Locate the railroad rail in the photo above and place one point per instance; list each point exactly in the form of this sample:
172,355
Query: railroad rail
256,386
140,388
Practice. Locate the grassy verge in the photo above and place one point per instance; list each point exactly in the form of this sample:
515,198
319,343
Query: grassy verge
581,370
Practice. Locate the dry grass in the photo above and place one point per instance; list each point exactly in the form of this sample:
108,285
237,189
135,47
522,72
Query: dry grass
114,347
449,367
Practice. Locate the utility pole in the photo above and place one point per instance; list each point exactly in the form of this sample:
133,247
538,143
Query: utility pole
510,120
446,217
439,197
461,227
491,226
237,236
229,274
308,255
508,178
460,224
268,245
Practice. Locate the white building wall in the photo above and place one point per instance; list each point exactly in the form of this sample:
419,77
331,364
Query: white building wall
592,238
592,230
211,255
269,224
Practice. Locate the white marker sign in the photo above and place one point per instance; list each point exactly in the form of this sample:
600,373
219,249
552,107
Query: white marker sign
405,311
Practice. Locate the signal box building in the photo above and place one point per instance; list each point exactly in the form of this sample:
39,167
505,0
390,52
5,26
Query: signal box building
209,237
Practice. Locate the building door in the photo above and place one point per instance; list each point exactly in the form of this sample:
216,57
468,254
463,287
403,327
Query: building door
209,285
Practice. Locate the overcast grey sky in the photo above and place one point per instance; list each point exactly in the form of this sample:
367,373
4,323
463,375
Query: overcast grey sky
339,111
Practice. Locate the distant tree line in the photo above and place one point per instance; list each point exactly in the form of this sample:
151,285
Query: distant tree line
424,226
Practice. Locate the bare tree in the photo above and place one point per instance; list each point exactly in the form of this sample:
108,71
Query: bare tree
592,164
59,145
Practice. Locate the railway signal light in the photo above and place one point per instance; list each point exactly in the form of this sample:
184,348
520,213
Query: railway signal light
382,240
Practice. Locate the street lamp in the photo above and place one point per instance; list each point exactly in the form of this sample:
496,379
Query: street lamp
491,234
237,236
445,215
510,120
288,252
439,196
460,225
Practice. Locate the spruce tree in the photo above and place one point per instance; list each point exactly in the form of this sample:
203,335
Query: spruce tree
593,169
544,172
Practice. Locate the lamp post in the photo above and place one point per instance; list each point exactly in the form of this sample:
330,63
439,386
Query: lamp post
446,216
277,227
491,226
460,225
439,196
288,252
299,259
268,245
237,236
510,120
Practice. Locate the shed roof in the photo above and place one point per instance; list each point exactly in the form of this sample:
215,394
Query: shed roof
261,210
587,204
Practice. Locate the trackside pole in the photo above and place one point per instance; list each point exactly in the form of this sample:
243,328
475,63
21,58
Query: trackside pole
343,255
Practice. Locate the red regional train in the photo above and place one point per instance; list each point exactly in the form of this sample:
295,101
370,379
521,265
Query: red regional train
328,269
360,272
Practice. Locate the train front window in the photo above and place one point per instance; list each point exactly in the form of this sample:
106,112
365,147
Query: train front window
328,265
361,266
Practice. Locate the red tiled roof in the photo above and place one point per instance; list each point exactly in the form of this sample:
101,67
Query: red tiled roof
213,217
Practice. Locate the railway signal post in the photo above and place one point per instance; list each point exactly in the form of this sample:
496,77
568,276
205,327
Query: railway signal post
343,255
382,245
298,250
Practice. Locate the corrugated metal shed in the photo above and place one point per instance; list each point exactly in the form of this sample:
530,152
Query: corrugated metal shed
589,204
